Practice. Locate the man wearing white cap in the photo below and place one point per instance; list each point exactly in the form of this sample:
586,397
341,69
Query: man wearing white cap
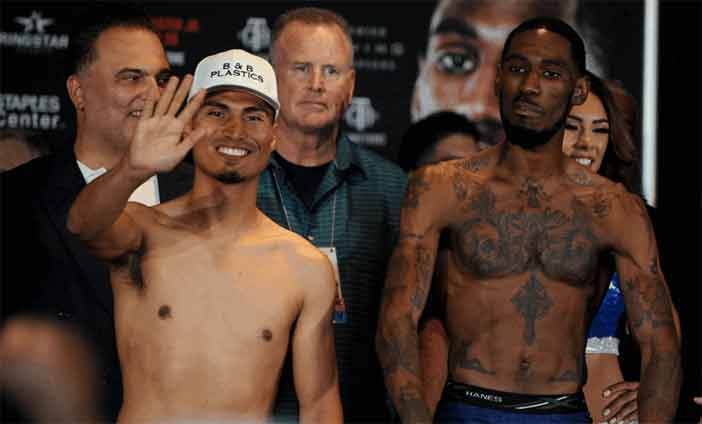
206,288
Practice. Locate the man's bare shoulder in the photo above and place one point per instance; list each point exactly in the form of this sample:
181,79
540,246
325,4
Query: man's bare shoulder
292,244
167,214
584,178
583,182
184,213
175,207
609,200
449,180
306,263
140,213
479,166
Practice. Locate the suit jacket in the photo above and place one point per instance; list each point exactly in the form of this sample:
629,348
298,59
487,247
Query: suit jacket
46,270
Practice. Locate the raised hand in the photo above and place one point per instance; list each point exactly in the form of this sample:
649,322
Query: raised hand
158,144
622,403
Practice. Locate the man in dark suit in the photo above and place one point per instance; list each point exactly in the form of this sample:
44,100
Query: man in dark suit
116,60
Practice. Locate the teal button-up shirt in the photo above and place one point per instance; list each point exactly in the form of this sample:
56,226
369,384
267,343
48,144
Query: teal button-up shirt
356,209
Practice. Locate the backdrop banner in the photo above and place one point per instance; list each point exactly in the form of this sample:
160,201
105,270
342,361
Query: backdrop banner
390,42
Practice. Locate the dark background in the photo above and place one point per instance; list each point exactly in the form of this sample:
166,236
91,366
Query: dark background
193,30
388,38
679,207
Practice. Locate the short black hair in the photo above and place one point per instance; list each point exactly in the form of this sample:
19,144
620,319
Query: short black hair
423,135
93,20
558,26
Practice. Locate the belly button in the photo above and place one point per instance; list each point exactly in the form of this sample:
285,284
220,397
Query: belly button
164,312
267,335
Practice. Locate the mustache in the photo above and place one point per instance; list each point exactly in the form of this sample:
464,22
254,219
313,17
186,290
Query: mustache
227,140
524,99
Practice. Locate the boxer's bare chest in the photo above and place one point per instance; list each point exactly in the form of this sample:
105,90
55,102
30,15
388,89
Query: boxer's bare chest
179,271
527,225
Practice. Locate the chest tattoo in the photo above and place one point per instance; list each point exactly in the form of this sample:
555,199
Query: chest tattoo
493,242
534,192
533,303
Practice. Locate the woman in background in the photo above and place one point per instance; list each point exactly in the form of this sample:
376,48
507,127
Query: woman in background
599,135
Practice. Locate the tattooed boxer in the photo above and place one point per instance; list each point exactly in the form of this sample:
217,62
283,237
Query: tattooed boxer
529,229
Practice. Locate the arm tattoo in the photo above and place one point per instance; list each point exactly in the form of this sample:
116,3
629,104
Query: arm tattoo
402,352
658,401
533,303
416,187
475,164
648,303
424,269
412,405
396,270
397,341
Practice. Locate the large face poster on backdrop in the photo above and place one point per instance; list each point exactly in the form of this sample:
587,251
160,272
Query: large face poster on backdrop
411,58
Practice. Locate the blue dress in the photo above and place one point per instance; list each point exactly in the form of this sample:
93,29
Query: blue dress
602,337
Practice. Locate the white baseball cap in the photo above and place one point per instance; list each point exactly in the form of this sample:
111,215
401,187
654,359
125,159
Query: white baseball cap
237,69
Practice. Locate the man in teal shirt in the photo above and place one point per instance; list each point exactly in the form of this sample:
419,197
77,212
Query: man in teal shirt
345,199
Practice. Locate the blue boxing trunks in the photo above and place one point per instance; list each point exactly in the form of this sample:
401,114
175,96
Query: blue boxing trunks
462,403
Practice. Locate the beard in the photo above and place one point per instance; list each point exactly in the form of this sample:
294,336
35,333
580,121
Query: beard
529,138
490,131
229,178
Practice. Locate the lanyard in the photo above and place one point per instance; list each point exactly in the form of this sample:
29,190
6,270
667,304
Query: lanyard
340,316
285,210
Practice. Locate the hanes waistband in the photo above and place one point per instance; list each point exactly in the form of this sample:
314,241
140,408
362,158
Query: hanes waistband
516,402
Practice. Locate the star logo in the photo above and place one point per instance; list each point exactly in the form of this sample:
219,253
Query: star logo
34,22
